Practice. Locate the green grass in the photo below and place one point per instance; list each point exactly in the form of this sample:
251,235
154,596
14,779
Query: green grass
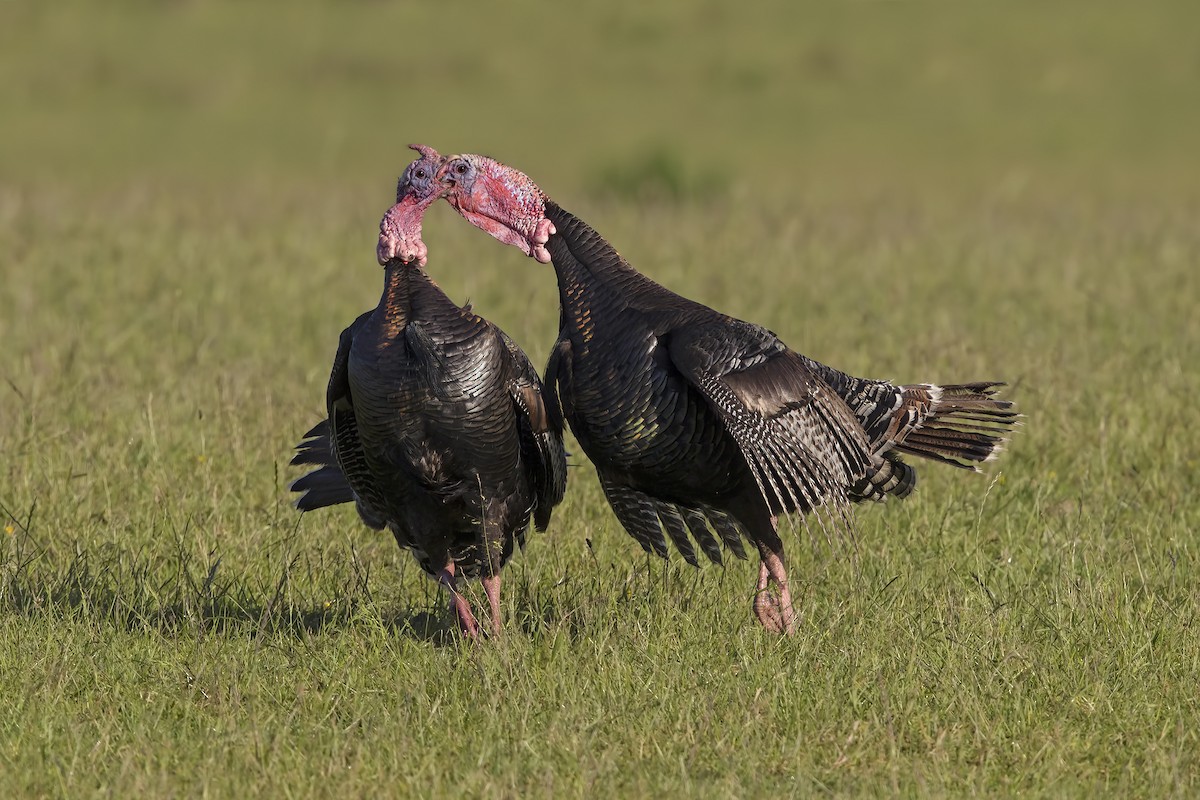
189,195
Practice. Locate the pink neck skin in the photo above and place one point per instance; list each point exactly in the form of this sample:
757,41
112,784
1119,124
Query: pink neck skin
400,232
417,189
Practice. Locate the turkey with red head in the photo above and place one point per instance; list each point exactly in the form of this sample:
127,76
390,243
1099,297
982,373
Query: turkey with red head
704,427
437,426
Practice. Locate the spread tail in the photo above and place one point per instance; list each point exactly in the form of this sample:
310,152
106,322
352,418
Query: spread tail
960,424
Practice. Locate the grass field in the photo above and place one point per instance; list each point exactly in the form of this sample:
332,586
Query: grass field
189,198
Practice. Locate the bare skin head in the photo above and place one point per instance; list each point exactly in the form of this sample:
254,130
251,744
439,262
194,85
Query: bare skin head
500,200
416,190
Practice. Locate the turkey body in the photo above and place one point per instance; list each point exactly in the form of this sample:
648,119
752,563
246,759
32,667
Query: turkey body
704,428
438,426
627,372
704,424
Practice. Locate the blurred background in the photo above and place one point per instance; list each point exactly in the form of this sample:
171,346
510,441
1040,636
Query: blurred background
771,96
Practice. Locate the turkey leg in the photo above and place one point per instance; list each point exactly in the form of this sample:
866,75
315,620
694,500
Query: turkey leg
491,585
458,604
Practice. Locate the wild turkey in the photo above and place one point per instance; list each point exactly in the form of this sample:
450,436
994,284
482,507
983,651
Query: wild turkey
698,422
437,427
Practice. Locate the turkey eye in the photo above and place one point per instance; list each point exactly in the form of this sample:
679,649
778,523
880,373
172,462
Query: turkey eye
461,169
420,173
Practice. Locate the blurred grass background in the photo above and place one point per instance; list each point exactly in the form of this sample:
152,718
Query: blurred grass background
773,95
189,197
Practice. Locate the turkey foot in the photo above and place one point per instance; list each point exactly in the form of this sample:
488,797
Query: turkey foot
773,604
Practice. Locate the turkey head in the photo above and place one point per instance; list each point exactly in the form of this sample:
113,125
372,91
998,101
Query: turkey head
416,190
499,200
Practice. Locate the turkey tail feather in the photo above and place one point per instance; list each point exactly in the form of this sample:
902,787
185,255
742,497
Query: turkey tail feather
314,448
322,487
889,476
325,486
964,424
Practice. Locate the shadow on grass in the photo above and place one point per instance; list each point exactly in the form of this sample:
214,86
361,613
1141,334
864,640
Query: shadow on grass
182,594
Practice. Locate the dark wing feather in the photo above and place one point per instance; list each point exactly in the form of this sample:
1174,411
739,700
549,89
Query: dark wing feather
802,443
697,524
541,434
646,518
673,524
731,531
558,368
636,511
875,403
343,428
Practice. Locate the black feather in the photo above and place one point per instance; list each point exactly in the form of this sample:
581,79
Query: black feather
437,429
695,420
